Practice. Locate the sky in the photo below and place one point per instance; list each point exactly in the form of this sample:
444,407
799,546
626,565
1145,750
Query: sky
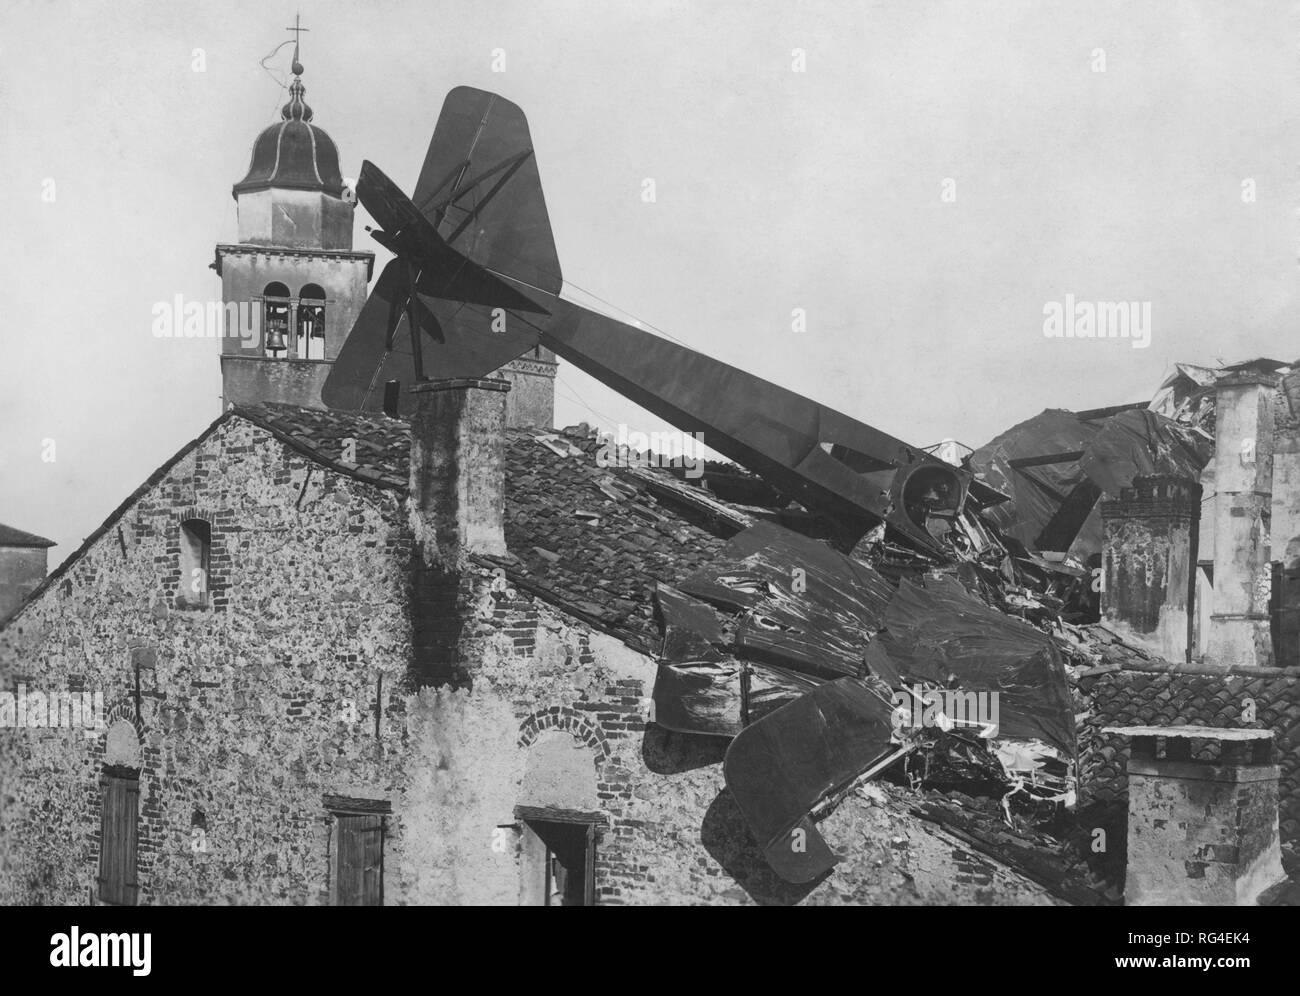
922,180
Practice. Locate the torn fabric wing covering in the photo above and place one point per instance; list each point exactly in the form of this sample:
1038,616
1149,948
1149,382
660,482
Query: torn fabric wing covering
939,632
781,766
1138,443
806,607
699,697
697,687
1056,466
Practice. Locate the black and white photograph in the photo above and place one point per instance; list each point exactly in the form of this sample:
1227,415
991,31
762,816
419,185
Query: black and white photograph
656,453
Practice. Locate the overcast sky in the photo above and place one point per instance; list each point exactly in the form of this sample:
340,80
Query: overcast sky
775,190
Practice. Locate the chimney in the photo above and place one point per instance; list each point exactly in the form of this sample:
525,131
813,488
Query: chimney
1200,832
1149,557
457,500
1243,478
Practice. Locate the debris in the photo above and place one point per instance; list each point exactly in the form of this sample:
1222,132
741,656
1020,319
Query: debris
559,445
802,605
779,768
1056,466
936,629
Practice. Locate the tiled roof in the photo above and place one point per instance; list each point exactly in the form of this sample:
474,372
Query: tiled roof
383,444
9,536
593,540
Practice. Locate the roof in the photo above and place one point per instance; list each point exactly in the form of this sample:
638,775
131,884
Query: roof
294,152
594,541
9,536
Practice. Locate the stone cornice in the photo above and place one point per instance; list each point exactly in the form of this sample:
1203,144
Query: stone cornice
545,368
248,249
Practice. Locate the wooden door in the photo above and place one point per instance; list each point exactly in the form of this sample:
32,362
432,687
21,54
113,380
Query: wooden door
120,805
360,865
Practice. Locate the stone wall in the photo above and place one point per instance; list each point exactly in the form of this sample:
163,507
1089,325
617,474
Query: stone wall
249,710
254,378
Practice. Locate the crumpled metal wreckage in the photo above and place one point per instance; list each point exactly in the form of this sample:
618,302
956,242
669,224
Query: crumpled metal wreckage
821,673
789,647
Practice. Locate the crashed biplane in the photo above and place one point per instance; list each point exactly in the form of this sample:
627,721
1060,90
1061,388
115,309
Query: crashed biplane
476,283
800,684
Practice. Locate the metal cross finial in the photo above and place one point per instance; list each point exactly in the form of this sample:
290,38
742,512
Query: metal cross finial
297,29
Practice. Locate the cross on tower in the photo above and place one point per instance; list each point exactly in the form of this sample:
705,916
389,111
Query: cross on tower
297,30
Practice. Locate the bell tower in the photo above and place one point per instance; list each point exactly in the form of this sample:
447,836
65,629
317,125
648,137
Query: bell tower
293,278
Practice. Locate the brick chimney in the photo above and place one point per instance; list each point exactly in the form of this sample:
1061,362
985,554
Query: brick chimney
1243,479
1202,829
457,499
1149,557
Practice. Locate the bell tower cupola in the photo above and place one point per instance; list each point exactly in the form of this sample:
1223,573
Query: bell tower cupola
293,278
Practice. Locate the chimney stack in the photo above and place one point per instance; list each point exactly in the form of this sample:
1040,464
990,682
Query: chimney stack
1243,479
1202,829
458,469
1149,557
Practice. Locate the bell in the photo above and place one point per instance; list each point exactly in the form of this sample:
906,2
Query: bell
275,340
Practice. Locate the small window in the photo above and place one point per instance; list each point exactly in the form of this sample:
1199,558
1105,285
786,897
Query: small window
559,861
196,551
118,837
311,323
275,320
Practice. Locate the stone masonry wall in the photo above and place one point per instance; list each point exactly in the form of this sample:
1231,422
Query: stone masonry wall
250,709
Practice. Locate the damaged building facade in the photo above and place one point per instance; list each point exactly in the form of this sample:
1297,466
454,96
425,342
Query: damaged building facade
345,657
347,713
380,635
1188,532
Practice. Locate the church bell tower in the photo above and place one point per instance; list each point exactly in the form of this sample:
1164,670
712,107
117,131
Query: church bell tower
293,277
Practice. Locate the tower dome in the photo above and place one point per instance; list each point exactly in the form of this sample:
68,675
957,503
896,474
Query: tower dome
294,153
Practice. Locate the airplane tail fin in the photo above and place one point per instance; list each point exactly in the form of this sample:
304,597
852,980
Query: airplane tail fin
480,188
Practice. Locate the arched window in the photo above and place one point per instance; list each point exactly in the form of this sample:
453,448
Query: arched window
311,323
275,320
196,550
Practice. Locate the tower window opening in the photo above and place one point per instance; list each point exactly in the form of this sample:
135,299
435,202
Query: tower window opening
275,307
311,323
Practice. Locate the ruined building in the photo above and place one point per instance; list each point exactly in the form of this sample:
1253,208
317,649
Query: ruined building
355,659
437,654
